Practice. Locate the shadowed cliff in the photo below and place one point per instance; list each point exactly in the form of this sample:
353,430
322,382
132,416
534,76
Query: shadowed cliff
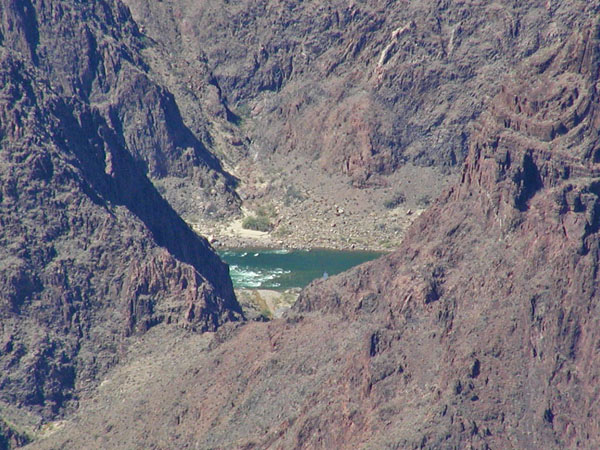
480,331
90,253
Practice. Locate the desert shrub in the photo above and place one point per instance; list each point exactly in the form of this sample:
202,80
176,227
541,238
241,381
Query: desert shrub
423,201
258,223
292,195
261,219
395,200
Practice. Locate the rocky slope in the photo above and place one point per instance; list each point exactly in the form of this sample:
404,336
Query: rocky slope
360,87
337,103
90,253
480,331
93,52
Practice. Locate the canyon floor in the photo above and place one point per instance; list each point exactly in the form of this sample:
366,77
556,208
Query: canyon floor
313,209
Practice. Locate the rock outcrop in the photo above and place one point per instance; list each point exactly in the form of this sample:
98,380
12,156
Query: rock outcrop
90,253
491,301
93,52
355,88
480,331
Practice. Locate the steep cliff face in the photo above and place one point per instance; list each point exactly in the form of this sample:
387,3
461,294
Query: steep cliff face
480,331
495,285
90,253
93,52
360,88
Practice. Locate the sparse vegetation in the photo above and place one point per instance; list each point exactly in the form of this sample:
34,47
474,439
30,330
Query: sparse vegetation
261,220
292,195
261,303
258,223
395,200
423,201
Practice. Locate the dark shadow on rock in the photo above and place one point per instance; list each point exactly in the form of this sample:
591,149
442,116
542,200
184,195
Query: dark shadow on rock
183,138
89,138
529,181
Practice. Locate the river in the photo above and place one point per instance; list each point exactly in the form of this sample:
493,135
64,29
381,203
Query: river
285,269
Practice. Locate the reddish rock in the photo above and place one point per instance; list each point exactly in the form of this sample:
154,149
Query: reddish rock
480,331
90,253
359,88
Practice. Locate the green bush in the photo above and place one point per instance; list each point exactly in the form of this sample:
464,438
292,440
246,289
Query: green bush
258,223
395,200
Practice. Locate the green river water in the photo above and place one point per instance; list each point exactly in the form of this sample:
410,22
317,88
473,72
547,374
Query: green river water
285,269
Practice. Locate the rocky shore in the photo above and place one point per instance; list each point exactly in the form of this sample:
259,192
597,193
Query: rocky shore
326,213
266,304
351,234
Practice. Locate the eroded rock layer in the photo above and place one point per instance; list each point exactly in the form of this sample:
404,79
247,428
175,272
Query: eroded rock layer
480,331
358,88
90,253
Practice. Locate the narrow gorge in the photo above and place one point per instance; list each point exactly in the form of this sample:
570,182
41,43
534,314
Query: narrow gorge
461,138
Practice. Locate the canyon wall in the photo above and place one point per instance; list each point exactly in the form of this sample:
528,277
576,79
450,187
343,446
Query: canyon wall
480,331
90,253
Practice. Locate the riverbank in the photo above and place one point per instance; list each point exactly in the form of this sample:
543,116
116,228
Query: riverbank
266,304
368,232
307,208
267,282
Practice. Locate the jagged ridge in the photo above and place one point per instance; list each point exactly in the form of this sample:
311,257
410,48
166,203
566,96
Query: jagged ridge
480,331
90,252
